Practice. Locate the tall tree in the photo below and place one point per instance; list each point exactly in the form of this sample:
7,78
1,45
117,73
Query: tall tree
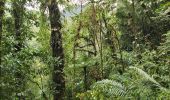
1,18
57,50
18,11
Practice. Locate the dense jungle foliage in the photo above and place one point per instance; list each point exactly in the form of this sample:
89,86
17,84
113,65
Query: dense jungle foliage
84,50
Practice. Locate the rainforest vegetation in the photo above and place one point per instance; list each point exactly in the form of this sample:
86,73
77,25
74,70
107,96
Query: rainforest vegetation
84,50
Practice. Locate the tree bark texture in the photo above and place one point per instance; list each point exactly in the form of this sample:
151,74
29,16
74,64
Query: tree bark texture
18,9
1,18
18,13
1,23
57,50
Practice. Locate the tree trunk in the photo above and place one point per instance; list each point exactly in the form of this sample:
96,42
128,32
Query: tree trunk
1,18
57,50
85,79
18,16
18,10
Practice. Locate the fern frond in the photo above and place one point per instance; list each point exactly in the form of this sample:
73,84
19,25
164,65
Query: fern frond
147,77
109,88
144,75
